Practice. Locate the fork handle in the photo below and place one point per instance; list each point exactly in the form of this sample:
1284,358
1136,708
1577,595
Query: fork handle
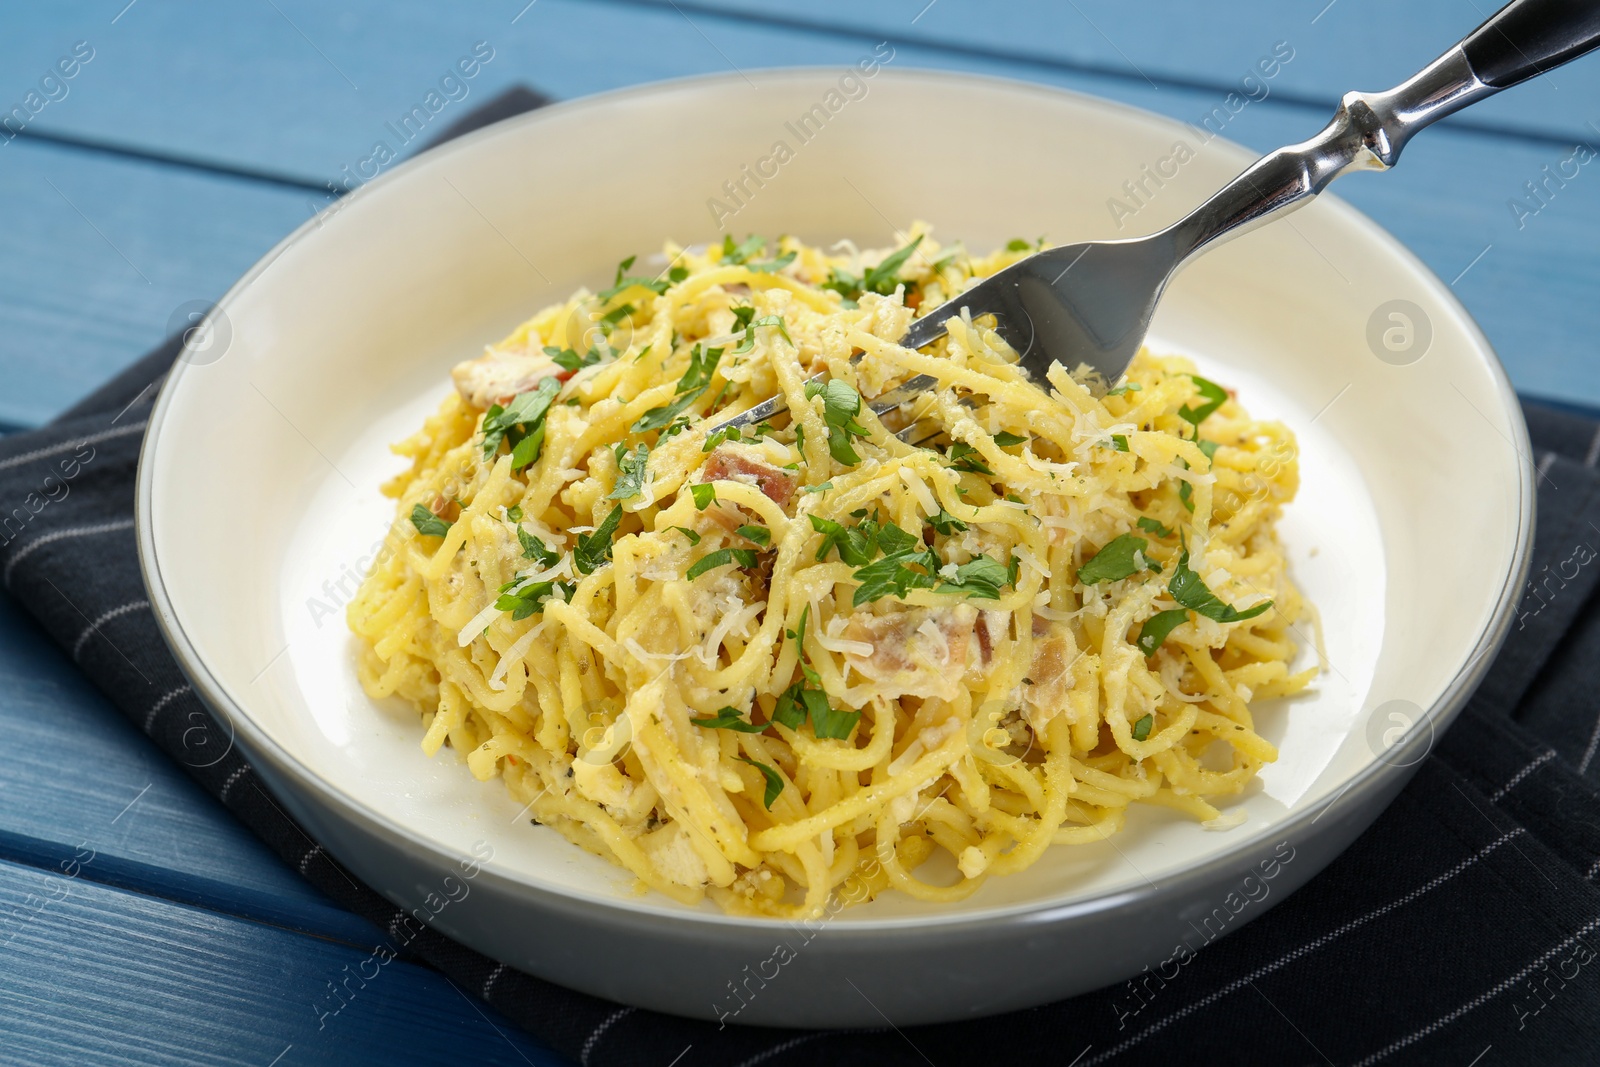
1522,39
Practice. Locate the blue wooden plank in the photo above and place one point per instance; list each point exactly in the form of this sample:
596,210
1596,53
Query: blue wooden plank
77,779
1336,45
265,70
99,252
90,974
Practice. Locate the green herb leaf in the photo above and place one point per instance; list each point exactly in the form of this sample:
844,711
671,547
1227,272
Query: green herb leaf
677,274
694,538
744,557
617,314
535,549
730,719
750,328
514,513
1150,525
1188,589
567,359
702,364
656,418
840,406
1157,627
946,523
856,545
1215,396
427,523
704,493
1141,729
1114,562
1131,387
730,434
883,278
962,456
594,548
633,473
981,578
1005,439
759,534
895,575
826,720
824,487
1017,244
525,412
772,265
732,253
1119,441
774,781
1208,448
529,599
655,285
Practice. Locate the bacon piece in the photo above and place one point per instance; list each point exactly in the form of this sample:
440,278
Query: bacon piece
732,463
500,374
919,652
1051,674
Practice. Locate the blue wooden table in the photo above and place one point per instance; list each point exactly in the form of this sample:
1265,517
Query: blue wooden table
138,922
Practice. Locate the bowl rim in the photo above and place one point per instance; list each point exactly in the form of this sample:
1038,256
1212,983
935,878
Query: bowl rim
1365,783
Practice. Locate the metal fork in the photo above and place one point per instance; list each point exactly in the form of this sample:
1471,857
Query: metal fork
1091,303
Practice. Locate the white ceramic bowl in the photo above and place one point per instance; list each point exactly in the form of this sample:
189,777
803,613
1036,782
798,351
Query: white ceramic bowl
258,507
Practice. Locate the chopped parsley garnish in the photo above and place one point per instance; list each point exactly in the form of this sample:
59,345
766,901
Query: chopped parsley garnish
567,359
1119,441
428,524
1188,589
774,781
1141,729
1208,448
616,315
759,534
1131,387
535,549
1157,627
823,488
744,557
655,285
744,319
514,513
729,434
656,418
1118,559
1005,439
1215,396
962,457
521,422
694,538
946,523
896,573
1150,525
840,406
881,279
594,548
528,600
632,474
772,265
702,364
738,254
1017,244
704,493
806,699
1185,490
730,719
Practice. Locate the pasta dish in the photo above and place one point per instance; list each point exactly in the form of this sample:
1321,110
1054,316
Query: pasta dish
836,653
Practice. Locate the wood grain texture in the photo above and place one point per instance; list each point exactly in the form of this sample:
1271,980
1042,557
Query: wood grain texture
90,974
75,775
100,251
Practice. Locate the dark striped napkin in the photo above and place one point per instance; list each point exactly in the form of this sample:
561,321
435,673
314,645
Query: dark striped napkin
1462,929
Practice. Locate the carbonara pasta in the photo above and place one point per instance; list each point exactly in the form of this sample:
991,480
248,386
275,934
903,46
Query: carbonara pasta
765,664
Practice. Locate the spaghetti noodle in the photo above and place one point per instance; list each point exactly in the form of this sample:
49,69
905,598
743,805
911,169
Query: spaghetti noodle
761,664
